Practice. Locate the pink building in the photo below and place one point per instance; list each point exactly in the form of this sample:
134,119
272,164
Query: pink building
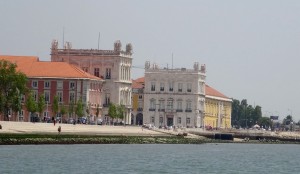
69,83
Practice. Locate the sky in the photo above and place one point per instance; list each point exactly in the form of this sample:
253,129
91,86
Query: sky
251,48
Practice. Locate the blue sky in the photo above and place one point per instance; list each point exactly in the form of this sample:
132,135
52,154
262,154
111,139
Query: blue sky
250,48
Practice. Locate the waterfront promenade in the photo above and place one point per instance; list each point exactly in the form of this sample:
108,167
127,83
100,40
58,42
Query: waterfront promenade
41,128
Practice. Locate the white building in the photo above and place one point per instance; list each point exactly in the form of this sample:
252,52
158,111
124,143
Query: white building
114,66
174,97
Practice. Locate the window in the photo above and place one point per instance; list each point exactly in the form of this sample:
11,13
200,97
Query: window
152,86
59,84
97,72
152,105
180,87
170,104
161,120
107,99
140,96
188,106
140,106
162,86
72,96
188,121
179,106
34,84
22,98
47,96
60,96
171,84
179,120
47,84
189,87
46,114
35,95
161,105
72,85
108,73
21,115
152,120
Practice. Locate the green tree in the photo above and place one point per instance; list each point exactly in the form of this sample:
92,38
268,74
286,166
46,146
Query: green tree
235,113
120,111
63,111
265,122
79,108
12,85
31,105
112,111
71,108
41,105
55,106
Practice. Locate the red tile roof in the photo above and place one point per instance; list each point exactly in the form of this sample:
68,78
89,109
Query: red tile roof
32,67
138,83
213,92
140,80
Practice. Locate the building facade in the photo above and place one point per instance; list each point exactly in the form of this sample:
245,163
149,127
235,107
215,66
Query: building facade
69,83
174,97
112,65
217,109
137,101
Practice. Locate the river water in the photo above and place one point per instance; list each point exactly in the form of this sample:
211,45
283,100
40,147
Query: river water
152,158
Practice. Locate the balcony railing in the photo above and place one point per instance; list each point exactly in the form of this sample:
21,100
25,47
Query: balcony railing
179,110
139,109
170,110
188,110
161,110
152,109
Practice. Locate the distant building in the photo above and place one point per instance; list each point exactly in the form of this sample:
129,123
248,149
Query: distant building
112,65
217,109
60,79
137,101
174,97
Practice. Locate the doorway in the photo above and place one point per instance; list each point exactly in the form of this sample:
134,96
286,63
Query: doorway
170,121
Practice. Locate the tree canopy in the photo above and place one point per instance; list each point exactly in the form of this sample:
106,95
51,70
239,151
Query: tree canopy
41,105
244,115
31,104
55,106
12,86
79,108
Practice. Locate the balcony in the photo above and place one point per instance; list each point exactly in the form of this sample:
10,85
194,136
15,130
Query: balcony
170,110
188,110
152,109
107,77
161,110
179,110
139,109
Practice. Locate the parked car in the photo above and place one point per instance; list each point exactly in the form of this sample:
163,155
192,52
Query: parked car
71,121
82,120
99,121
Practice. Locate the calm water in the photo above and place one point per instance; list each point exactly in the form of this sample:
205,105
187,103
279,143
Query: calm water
157,158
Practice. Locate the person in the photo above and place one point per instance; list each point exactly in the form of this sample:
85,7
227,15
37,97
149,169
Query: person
54,121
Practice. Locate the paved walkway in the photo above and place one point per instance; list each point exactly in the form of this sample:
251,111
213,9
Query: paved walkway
28,127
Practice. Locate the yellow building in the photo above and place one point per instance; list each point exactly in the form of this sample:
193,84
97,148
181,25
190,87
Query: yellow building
217,109
137,101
